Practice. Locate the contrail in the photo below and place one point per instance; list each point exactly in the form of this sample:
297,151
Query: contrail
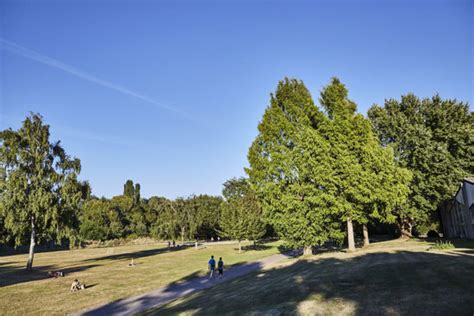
31,54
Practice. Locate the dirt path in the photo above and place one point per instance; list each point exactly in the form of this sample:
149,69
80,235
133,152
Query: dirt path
143,302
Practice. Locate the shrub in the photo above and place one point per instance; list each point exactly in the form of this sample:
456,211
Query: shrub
442,245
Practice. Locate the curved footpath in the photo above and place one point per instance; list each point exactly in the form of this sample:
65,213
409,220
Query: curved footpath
143,302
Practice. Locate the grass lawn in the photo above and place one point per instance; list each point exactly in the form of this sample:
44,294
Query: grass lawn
399,277
106,273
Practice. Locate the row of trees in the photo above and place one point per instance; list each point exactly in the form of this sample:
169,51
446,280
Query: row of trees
131,216
41,199
313,173
238,216
316,170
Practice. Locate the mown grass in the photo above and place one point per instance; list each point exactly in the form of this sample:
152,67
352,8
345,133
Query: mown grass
399,277
106,273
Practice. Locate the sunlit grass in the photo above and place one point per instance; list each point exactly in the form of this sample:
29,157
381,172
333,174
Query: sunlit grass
106,272
398,277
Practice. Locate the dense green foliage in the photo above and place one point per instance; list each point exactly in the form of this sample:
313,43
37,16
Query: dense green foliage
100,220
241,215
192,218
157,217
40,191
361,167
290,169
434,139
315,170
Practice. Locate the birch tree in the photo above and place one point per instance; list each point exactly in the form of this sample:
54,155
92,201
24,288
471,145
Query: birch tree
41,192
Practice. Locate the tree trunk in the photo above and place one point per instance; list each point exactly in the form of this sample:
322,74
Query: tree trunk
405,229
240,246
365,232
29,264
350,235
182,236
196,244
307,250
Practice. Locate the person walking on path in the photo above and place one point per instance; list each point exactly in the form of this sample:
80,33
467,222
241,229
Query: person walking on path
220,267
212,266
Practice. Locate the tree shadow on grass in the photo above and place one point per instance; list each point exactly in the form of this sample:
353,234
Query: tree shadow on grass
5,263
191,283
396,283
138,254
471,252
257,247
329,247
10,275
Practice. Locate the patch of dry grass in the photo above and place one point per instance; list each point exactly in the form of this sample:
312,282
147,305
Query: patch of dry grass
106,273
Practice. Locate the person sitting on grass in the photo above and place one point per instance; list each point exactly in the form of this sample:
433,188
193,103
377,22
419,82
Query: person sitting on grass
212,266
220,267
76,286
55,274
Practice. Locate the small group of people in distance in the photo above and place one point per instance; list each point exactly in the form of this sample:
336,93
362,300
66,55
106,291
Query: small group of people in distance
212,267
75,286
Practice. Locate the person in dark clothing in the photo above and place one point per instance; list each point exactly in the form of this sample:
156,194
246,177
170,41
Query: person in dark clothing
220,267
212,266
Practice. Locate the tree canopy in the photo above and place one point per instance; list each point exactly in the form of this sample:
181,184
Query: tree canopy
315,170
289,169
434,139
361,167
41,192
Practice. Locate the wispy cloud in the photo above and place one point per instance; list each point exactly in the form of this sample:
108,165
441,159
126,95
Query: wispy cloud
15,122
33,55
88,136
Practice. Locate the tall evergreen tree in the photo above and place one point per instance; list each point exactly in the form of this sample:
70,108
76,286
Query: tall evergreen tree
434,139
361,167
347,135
41,192
128,189
136,194
289,169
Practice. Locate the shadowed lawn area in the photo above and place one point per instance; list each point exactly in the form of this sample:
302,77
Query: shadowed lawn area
106,273
399,277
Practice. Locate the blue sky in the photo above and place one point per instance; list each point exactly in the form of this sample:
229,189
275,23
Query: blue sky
169,93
